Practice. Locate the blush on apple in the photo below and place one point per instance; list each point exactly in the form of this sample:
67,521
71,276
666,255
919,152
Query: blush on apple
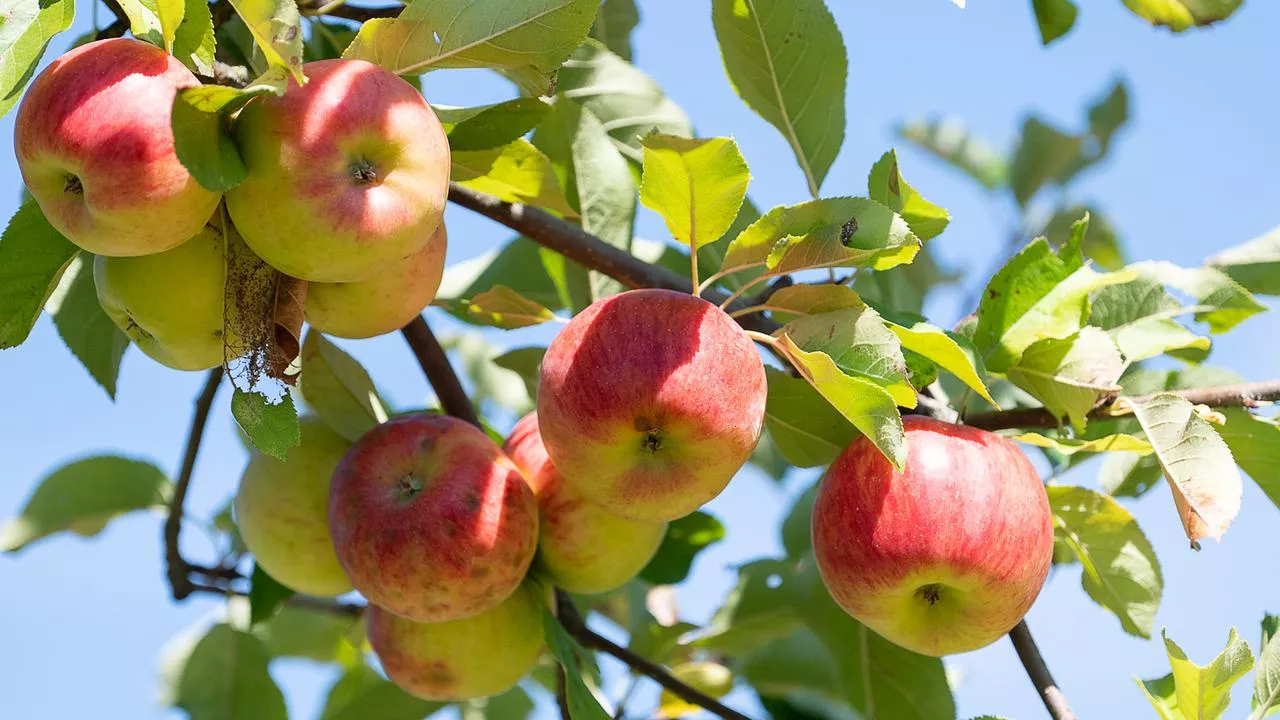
946,555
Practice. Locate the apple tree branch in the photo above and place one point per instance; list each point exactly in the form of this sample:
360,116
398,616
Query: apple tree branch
179,569
435,364
1054,701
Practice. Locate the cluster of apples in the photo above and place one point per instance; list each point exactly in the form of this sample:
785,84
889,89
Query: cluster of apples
346,182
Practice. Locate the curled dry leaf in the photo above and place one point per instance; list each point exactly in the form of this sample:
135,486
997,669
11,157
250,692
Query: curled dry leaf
263,313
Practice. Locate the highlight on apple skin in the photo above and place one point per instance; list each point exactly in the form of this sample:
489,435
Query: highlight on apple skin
430,520
138,293
384,303
94,143
472,657
945,556
347,174
281,509
581,547
649,402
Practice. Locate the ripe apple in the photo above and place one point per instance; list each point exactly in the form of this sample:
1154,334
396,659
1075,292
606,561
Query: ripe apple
461,659
581,547
649,401
430,519
945,556
381,304
282,508
170,304
347,174
95,148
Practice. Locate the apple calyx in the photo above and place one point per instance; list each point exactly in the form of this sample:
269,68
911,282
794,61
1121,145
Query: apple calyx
364,172
72,185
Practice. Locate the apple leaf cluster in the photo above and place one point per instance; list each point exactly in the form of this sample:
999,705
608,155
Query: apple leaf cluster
1056,355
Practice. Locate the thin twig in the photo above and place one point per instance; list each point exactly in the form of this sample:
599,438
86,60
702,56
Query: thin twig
179,582
1054,701
351,12
562,693
1243,395
434,362
118,26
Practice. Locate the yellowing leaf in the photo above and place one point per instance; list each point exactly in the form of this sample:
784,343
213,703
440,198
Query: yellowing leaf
517,172
886,186
859,342
1203,692
1196,461
1071,446
1070,375
794,301
171,13
1179,15
505,308
950,352
696,185
276,27
710,678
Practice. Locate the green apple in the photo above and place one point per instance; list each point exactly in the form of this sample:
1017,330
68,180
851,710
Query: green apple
282,510
381,304
170,303
472,657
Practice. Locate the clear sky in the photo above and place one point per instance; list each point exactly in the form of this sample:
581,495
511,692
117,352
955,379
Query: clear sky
82,621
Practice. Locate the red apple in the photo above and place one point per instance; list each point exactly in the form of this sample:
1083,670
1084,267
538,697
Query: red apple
649,401
347,174
946,555
95,147
581,547
430,520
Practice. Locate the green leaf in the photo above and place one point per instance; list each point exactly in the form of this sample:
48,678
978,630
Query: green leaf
711,257
500,306
614,22
516,172
951,141
1054,17
905,287
339,390
1255,265
1255,444
1203,693
760,609
201,136
582,704
33,257
1071,446
144,21
1071,375
276,27
491,126
1108,115
1163,697
83,496
1220,301
696,186
523,362
87,331
1121,572
788,303
1179,15
801,667
808,431
660,643
170,13
272,427
1101,243
797,538
317,635
861,344
362,693
598,181
226,677
685,538
1202,475
490,383
1139,316
194,41
769,460
1266,677
514,704
1043,154
1037,294
950,351
786,60
886,186
527,40
518,265
868,406
28,27
709,678
266,595
832,232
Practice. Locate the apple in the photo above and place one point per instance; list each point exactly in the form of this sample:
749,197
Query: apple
170,304
649,402
347,174
95,148
430,519
466,658
581,547
382,304
945,556
281,509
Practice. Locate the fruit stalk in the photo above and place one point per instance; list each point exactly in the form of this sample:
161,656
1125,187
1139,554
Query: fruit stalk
1054,701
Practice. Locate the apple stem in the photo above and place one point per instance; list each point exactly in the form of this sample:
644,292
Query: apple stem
1054,701
766,340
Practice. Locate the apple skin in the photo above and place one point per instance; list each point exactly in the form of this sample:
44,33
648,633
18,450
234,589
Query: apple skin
649,402
346,175
382,304
95,148
947,555
471,657
281,509
581,547
170,304
431,520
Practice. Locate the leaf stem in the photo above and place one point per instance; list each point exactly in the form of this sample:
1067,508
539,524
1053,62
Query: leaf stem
745,287
766,340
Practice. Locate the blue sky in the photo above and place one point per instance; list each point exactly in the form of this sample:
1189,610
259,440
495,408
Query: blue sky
1194,172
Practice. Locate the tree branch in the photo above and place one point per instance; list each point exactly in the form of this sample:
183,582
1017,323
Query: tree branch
351,12
562,693
1054,701
178,569
117,27
577,627
434,362
1243,395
